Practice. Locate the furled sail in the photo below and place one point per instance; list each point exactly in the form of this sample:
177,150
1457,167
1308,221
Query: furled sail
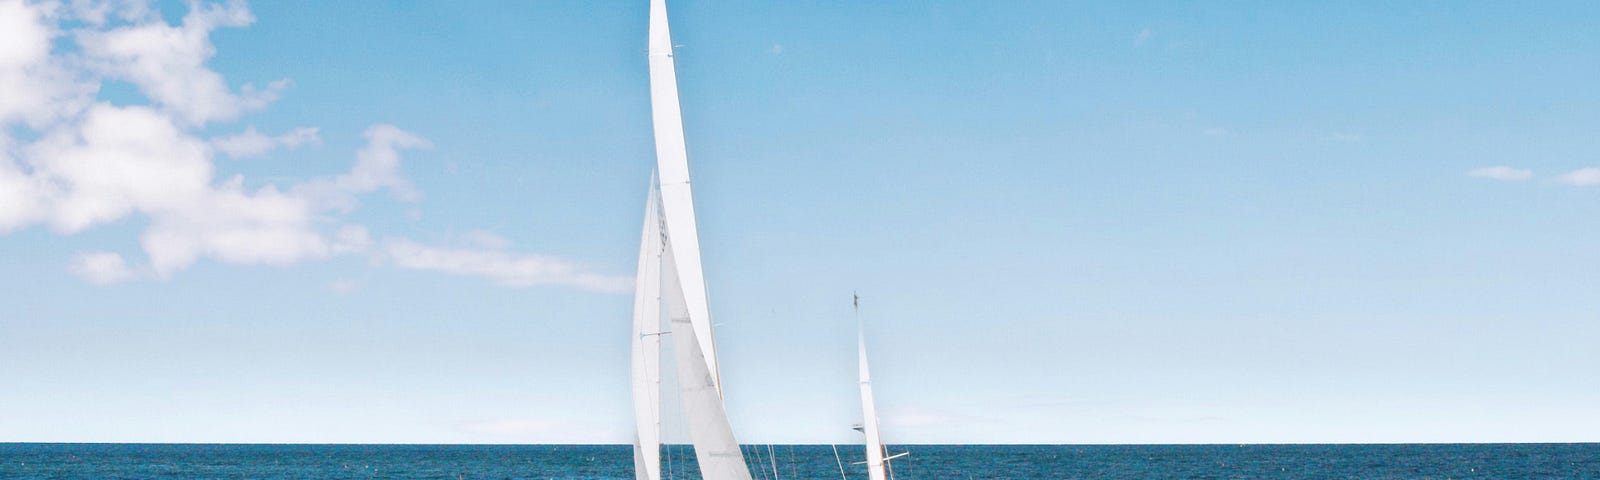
647,345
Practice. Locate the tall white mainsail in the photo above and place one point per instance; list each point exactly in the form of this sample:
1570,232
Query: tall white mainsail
683,285
677,199
869,410
647,345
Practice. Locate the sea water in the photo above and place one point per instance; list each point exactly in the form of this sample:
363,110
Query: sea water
223,461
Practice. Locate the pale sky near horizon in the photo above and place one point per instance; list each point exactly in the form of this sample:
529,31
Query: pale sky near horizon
1069,222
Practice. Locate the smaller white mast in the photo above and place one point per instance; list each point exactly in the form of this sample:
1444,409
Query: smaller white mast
869,410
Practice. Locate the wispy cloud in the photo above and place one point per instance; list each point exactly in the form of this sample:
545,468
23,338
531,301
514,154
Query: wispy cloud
1583,177
502,267
1142,36
777,49
1502,173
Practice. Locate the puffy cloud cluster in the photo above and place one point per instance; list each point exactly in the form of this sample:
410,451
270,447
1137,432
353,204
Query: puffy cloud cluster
168,63
71,163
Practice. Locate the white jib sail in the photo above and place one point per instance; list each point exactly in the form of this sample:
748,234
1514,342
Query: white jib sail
647,345
714,446
677,199
869,411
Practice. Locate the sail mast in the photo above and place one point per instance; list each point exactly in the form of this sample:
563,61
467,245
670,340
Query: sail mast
646,351
869,410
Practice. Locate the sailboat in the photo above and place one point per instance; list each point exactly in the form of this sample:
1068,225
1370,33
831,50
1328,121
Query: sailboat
670,276
876,461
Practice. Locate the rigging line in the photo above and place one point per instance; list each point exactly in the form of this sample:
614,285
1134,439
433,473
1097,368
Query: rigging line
888,464
840,461
760,472
760,466
773,457
744,451
669,459
794,465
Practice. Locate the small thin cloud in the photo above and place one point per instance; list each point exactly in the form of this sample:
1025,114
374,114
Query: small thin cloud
1143,36
501,267
1583,177
777,49
101,268
1502,173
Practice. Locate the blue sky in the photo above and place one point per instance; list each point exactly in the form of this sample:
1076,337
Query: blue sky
1069,222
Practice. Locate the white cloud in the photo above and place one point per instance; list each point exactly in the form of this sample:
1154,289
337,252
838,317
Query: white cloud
118,160
1583,177
38,89
1143,36
235,226
168,63
378,164
377,167
777,49
21,195
101,268
86,164
27,38
251,143
1502,173
504,268
122,161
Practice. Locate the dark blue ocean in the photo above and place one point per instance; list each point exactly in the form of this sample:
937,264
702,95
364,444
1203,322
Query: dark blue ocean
212,461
